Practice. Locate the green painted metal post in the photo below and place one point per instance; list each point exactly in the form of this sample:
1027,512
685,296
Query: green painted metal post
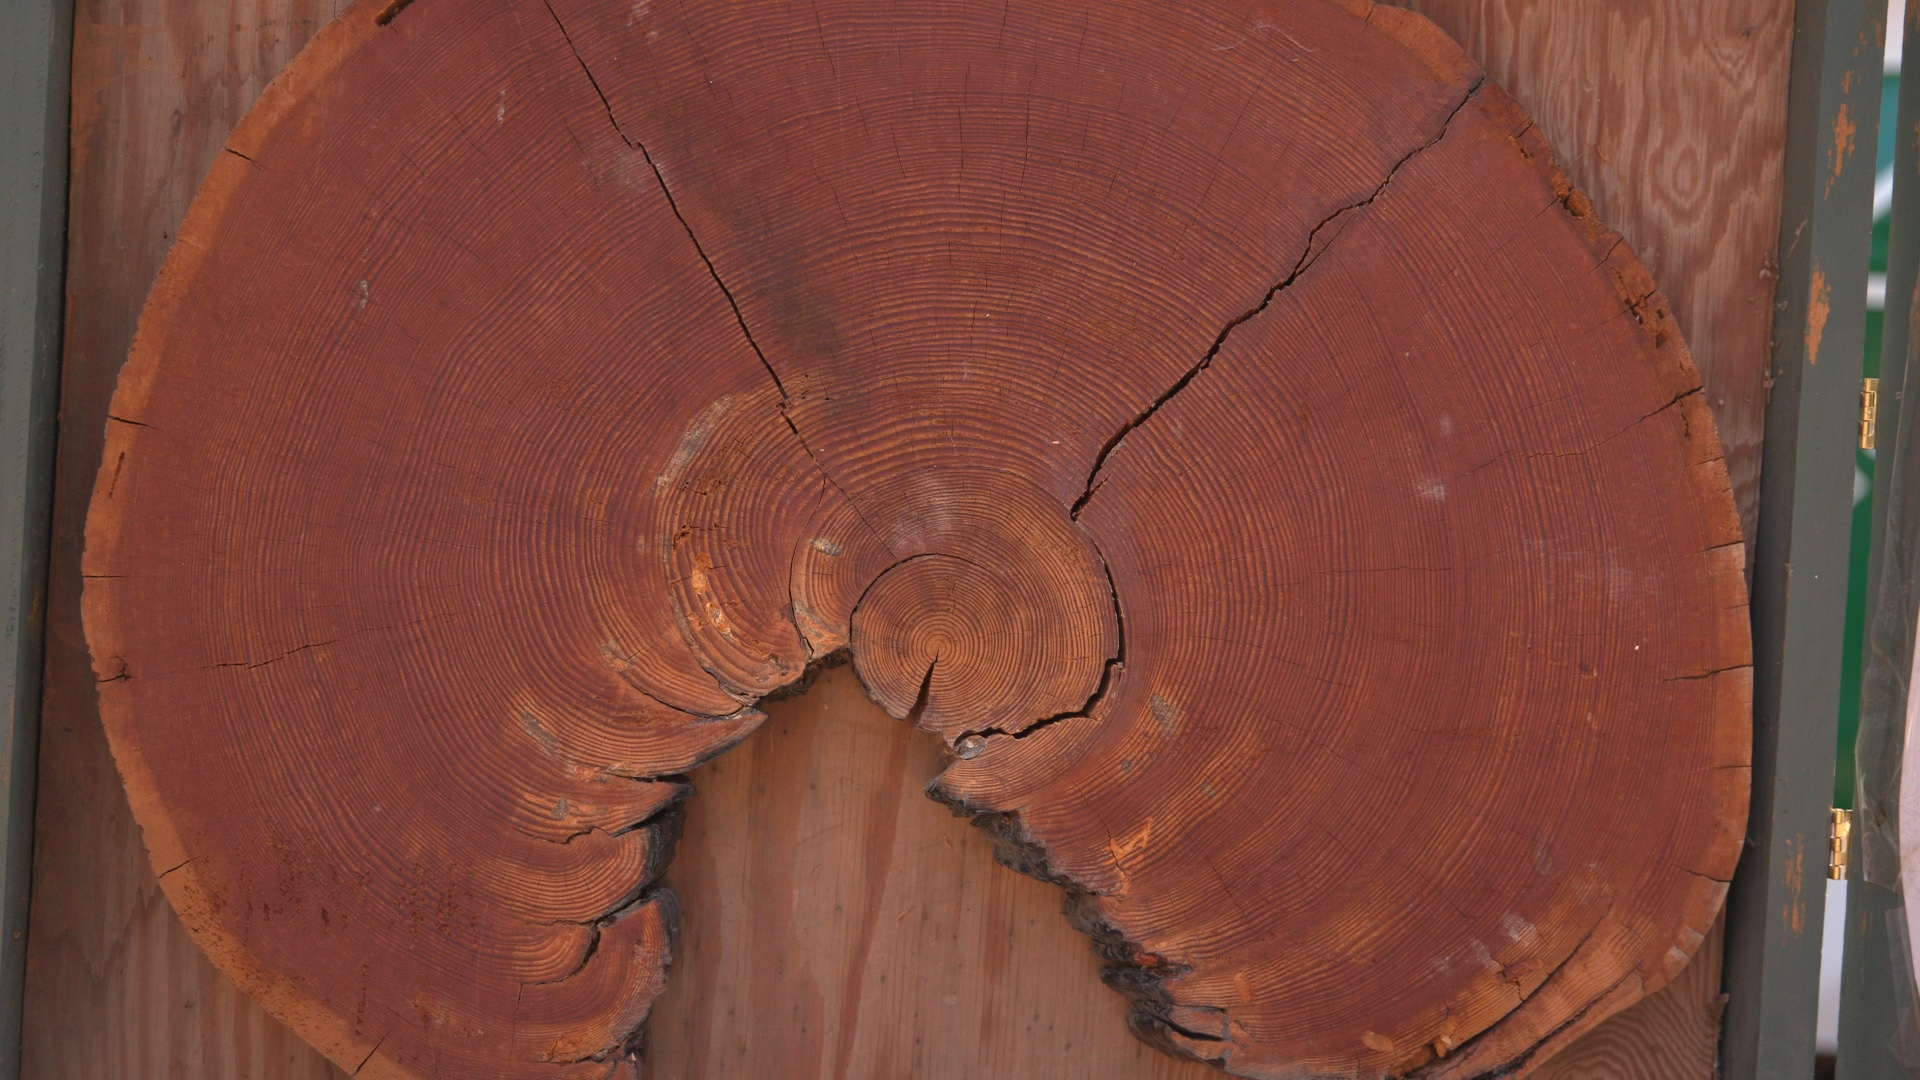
1777,898
36,48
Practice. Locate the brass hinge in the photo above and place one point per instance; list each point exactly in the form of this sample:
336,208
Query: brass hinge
1869,411
1840,832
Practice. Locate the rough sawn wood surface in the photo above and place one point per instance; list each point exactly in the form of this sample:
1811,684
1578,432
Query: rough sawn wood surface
1224,429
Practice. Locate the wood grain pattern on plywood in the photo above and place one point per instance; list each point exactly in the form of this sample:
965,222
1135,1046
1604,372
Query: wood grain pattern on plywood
114,987
1274,484
836,922
1672,117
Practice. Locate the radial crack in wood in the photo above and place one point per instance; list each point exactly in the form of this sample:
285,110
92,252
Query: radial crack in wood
1312,250
1225,429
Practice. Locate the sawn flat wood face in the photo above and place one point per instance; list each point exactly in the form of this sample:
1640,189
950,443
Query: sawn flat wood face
1223,428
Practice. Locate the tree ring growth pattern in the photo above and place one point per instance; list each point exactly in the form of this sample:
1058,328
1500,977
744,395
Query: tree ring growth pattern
1224,427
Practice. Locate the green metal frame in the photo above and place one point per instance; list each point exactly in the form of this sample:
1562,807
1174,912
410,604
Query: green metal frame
1777,899
36,49
1872,1034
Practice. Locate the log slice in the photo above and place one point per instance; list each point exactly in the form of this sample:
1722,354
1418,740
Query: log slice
1224,429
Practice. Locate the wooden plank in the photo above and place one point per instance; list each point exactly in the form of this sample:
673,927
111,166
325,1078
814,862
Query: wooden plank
35,50
1630,95
823,888
113,965
115,989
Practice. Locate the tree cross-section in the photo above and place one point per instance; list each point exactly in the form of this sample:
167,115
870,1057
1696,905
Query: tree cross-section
1221,425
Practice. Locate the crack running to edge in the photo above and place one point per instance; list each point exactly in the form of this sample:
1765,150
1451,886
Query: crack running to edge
376,1049
919,708
739,318
1307,258
635,144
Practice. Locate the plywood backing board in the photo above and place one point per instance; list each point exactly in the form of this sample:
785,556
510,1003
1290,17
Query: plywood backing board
863,930
1670,116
